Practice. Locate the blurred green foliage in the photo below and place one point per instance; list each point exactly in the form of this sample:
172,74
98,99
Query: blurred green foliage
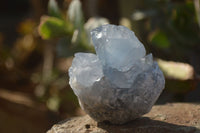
52,27
53,9
68,27
160,40
171,27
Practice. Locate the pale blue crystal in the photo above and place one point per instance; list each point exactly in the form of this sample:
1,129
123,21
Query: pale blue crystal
121,82
85,70
117,47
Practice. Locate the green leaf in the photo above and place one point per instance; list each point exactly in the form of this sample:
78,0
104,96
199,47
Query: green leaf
53,9
75,14
52,27
160,40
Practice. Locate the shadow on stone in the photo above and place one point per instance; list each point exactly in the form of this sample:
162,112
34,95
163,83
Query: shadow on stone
147,125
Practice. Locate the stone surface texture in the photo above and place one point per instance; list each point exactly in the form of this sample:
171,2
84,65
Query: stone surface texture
169,118
121,82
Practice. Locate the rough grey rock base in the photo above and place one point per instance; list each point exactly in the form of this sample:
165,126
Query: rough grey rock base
106,103
169,118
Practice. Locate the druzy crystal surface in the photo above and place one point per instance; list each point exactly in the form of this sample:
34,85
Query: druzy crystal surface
121,82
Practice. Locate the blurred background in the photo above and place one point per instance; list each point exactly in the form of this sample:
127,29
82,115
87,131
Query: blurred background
38,39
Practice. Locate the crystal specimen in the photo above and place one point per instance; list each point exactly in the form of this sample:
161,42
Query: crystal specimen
121,82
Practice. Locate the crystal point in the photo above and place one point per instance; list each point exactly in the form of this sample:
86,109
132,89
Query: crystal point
117,46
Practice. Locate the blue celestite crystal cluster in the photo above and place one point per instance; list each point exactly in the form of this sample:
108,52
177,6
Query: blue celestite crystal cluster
121,82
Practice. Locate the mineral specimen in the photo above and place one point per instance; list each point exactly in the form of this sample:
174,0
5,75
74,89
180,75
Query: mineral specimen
121,82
